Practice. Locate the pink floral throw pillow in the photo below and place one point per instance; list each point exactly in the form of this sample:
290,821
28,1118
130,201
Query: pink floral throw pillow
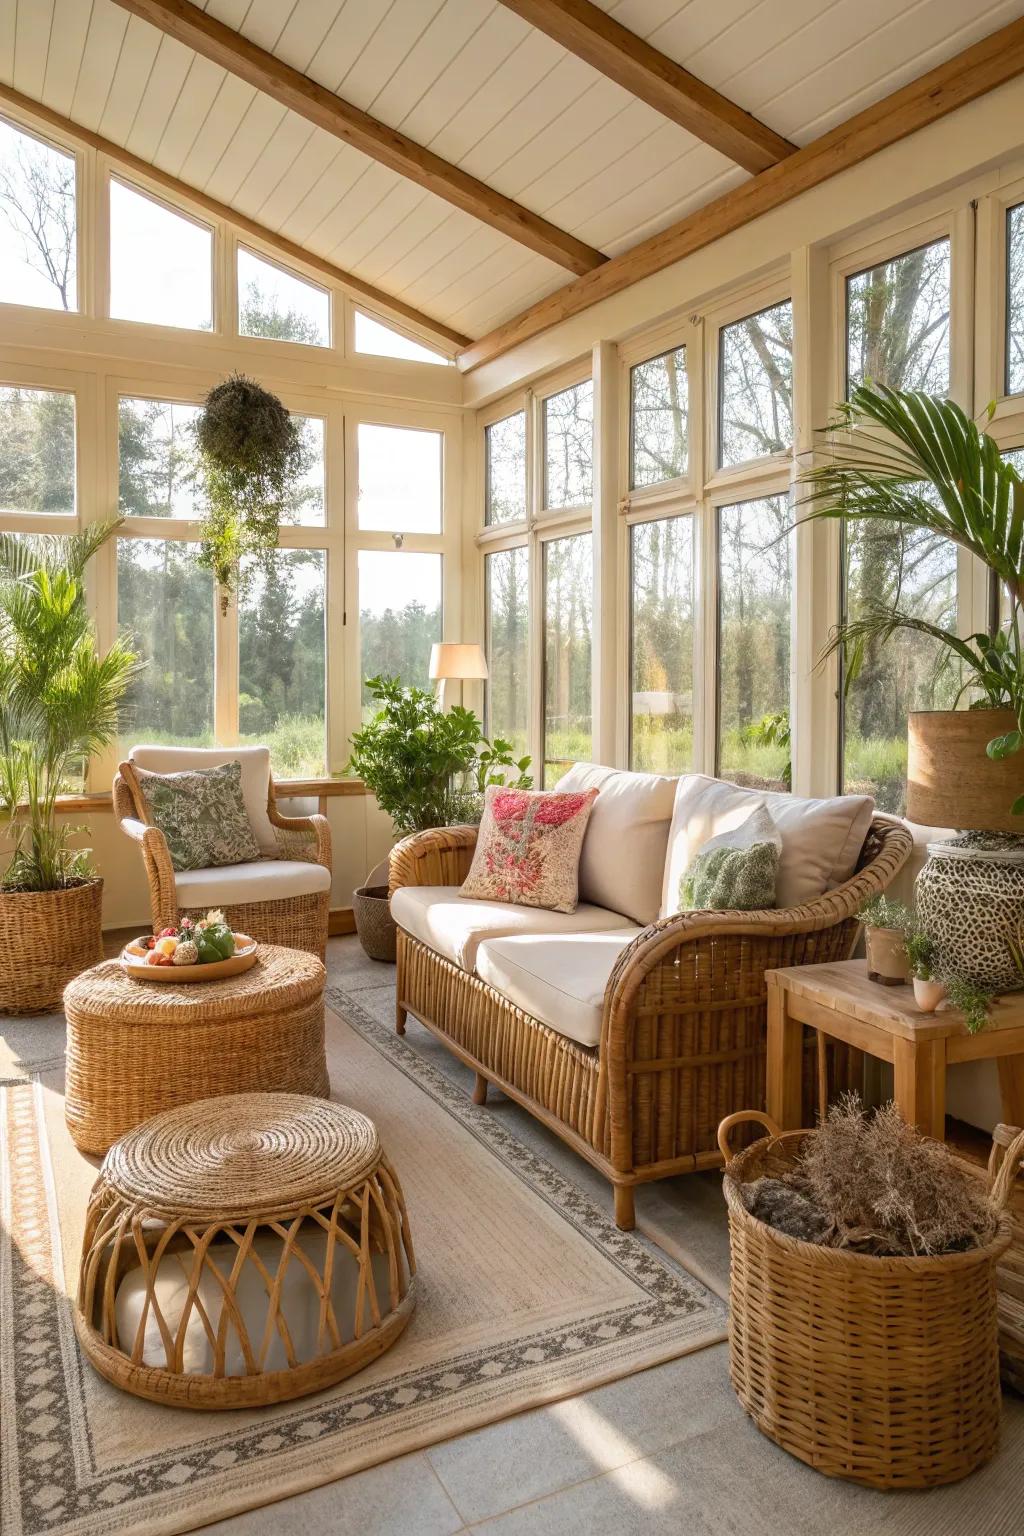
528,850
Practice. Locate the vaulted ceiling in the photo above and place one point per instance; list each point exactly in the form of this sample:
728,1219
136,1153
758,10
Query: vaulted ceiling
479,87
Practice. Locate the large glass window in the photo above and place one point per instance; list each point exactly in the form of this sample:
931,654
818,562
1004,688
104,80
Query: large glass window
508,593
399,479
659,419
1015,300
38,241
280,306
569,447
755,397
505,449
568,611
161,263
661,645
156,458
165,602
281,661
897,334
380,340
37,450
309,499
753,643
897,322
399,614
915,570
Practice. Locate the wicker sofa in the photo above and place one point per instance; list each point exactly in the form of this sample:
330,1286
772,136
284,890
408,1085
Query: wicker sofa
281,898
676,1006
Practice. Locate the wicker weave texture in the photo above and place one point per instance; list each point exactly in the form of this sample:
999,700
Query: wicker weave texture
296,922
1008,1147
134,1050
683,1033
248,1168
48,938
884,1371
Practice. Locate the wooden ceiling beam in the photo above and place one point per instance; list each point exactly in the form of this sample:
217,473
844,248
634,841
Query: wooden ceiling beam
270,75
961,79
268,237
590,33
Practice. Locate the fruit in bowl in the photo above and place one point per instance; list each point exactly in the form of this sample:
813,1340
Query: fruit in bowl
194,941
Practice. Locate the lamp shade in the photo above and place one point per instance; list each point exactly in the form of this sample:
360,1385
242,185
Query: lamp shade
451,659
951,781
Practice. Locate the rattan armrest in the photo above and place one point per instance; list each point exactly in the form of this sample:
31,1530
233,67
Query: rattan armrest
296,833
440,856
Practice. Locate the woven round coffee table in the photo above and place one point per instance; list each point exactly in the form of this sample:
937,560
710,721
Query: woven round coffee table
244,1251
136,1048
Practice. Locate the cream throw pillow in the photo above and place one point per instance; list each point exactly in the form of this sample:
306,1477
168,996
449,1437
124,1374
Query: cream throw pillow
633,812
821,839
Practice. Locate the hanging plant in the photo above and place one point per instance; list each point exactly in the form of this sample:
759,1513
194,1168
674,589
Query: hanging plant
250,458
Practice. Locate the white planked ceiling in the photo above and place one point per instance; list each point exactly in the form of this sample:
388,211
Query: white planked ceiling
482,88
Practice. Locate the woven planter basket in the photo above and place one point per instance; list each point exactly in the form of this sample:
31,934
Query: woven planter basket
49,938
377,929
881,1370
1008,1147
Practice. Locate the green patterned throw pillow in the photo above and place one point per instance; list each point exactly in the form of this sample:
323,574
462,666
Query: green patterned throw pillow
735,871
202,815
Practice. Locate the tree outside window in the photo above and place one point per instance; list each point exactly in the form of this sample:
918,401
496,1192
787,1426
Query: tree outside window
38,236
756,386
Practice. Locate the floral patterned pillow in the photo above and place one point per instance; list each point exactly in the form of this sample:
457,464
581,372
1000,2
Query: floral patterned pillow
528,850
202,815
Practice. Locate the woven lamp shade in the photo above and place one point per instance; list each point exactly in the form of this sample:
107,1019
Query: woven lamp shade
951,781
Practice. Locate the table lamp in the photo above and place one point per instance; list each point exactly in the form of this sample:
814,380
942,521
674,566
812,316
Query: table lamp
456,661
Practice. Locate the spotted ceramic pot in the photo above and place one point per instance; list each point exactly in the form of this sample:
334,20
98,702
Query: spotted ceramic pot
970,901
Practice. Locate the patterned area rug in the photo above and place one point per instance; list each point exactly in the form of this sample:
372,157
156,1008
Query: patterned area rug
528,1293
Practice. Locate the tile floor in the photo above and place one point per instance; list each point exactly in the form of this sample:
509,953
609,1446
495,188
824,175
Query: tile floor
667,1450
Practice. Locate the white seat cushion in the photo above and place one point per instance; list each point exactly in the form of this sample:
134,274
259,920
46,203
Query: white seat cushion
821,839
262,880
632,813
455,925
560,981
255,763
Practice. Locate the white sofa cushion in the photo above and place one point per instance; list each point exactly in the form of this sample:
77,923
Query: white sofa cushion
821,839
262,880
455,925
560,981
623,861
255,763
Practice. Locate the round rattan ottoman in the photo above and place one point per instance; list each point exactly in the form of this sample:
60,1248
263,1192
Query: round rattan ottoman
136,1047
244,1251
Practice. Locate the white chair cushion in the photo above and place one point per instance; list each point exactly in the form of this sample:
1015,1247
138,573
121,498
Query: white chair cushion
263,880
631,817
560,981
455,925
821,839
255,763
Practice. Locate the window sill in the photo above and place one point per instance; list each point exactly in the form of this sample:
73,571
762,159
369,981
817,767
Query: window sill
284,789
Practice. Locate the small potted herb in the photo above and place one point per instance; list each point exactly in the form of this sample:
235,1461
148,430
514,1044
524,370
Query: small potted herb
887,924
929,988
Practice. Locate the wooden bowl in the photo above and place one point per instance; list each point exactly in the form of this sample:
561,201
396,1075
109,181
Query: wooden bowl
136,965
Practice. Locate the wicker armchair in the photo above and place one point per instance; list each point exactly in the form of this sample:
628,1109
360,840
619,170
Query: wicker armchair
683,1031
295,920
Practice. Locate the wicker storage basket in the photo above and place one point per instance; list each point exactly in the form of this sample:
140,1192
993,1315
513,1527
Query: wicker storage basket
884,1371
1008,1152
49,938
377,929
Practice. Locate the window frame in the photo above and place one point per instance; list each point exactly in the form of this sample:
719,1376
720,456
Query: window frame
139,187
254,248
743,303
53,138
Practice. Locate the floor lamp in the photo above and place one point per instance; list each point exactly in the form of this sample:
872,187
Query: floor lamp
452,661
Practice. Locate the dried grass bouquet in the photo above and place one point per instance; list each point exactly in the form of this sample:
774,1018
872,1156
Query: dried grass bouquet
870,1182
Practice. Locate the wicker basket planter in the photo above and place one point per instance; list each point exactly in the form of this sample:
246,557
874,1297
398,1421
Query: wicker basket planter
49,938
881,1370
377,930
1008,1147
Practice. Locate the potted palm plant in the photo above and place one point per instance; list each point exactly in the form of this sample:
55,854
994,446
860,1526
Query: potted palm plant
58,705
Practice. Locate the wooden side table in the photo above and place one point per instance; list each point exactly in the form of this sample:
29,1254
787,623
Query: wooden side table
838,1000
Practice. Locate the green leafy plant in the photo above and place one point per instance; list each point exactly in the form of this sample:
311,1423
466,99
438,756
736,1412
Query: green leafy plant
773,731
973,1002
918,461
427,767
922,954
59,699
250,458
880,912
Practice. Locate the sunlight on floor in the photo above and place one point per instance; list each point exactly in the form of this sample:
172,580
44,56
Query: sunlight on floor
613,1451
